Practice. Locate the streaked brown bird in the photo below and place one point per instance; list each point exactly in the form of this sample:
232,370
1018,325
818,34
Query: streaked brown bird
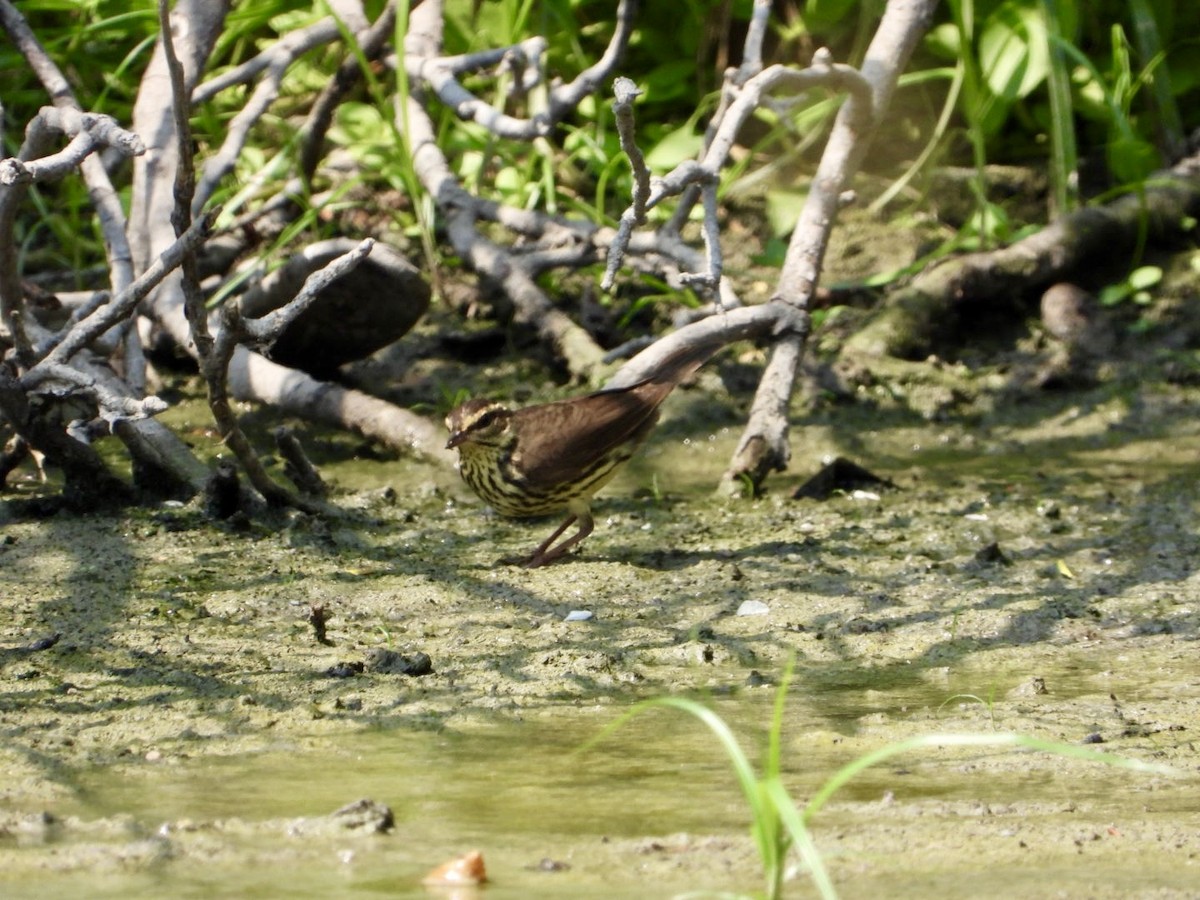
537,460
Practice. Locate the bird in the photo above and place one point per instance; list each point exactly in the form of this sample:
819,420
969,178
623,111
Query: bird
538,460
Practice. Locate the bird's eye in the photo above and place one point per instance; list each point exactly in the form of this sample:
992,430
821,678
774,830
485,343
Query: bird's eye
485,420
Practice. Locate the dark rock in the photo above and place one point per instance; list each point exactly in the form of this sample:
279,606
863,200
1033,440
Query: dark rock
370,307
389,662
839,474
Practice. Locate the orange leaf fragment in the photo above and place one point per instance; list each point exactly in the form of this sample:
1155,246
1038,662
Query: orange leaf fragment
467,869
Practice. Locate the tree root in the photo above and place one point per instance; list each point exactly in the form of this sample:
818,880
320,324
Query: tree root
1088,247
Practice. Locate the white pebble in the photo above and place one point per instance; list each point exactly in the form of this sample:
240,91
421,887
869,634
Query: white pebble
753,608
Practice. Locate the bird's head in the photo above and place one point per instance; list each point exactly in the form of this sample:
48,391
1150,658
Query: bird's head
479,421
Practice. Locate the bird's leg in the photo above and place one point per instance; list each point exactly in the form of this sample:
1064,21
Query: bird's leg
545,553
538,557
541,555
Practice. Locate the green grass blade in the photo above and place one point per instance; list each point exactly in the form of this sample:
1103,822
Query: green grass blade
800,836
851,769
764,824
1064,161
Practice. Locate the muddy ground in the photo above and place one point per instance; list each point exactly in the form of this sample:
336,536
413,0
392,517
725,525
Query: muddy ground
1034,570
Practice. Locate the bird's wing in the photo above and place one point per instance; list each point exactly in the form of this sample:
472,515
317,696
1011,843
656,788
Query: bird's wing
558,441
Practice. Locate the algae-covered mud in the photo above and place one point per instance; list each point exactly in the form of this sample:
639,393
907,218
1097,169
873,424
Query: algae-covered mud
185,706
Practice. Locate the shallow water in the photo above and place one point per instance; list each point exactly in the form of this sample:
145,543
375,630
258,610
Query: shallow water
520,792
613,806
187,740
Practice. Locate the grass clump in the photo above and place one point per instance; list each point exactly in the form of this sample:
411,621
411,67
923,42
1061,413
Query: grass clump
780,825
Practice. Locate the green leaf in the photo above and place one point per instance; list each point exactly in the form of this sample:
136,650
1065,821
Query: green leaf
1014,49
774,253
821,14
1132,159
1145,277
944,41
675,147
783,210
670,80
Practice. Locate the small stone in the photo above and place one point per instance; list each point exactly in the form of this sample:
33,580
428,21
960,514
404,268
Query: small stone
578,615
753,608
389,662
840,475
992,554
757,679
1048,509
44,643
365,815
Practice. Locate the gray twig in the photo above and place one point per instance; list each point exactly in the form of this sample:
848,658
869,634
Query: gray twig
701,177
626,92
214,353
764,443
111,404
265,329
122,304
424,65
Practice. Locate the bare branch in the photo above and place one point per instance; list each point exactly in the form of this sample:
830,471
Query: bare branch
423,65
565,98
94,300
752,62
770,320
12,304
264,330
275,60
214,354
112,405
532,307
123,304
103,196
626,92
297,466
88,133
185,184
371,43
87,478
1073,248
705,173
29,47
764,445
273,64
441,75
707,281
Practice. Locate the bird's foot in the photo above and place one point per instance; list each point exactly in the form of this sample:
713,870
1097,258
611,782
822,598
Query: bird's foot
534,560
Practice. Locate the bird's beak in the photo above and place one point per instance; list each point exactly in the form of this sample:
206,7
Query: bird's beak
455,439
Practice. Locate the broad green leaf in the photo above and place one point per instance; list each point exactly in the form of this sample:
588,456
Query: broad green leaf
823,13
670,80
945,41
1014,50
783,210
1132,159
1145,277
675,147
